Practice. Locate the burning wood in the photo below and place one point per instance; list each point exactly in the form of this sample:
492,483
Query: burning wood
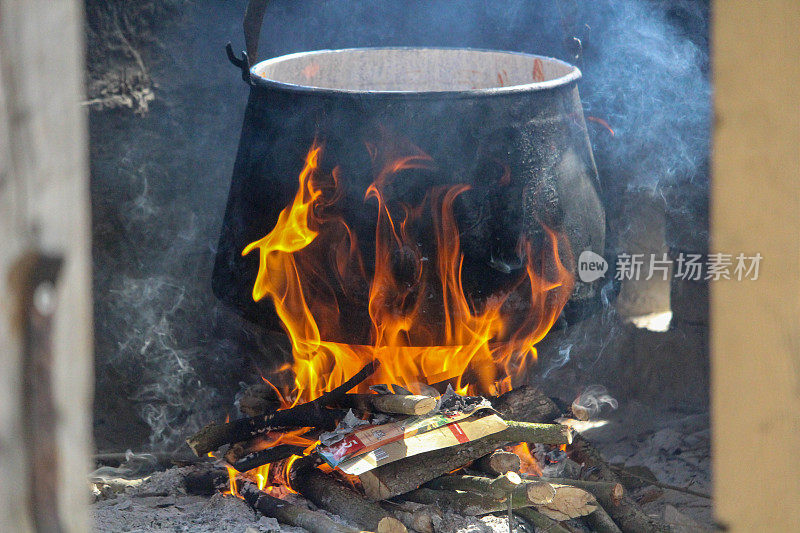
347,451
266,456
403,404
416,457
401,476
311,414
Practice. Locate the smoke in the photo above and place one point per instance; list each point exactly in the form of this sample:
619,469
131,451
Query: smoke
589,402
649,81
169,358
557,362
134,466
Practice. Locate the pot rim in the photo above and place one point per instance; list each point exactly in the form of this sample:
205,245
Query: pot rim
257,80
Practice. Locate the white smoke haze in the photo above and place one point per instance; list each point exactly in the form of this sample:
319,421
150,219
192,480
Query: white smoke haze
557,362
590,402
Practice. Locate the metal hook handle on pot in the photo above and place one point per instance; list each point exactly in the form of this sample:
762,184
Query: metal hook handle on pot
253,19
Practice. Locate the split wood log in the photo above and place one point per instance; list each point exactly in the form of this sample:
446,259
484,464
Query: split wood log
329,494
601,522
498,462
542,523
407,474
532,492
289,514
568,502
266,456
310,414
402,404
607,494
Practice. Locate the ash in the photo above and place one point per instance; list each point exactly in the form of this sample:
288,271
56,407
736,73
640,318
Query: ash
159,503
672,444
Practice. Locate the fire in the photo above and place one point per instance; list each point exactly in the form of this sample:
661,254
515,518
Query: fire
478,349
529,463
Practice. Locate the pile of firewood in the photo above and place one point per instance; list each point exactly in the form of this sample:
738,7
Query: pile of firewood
473,478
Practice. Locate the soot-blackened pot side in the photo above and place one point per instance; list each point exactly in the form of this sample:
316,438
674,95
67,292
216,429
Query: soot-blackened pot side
525,154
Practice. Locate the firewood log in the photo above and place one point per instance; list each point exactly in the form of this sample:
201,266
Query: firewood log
542,523
601,522
498,462
463,503
628,515
526,404
568,502
266,456
289,514
416,516
532,492
333,496
407,474
607,494
314,414
403,404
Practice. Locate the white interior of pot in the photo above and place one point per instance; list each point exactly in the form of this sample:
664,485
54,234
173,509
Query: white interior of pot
415,70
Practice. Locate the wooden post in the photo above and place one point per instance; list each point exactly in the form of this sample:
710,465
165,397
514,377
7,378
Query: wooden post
755,325
45,314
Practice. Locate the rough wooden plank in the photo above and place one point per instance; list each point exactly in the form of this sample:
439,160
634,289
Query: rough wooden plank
755,334
44,213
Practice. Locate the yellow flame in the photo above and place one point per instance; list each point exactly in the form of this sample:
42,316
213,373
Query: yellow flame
472,349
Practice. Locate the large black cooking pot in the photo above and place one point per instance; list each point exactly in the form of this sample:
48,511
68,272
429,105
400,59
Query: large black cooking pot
508,124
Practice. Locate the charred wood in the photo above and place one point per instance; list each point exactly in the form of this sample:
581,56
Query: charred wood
266,456
310,414
287,513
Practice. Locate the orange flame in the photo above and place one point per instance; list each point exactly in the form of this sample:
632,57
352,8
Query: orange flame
529,463
473,348
232,489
